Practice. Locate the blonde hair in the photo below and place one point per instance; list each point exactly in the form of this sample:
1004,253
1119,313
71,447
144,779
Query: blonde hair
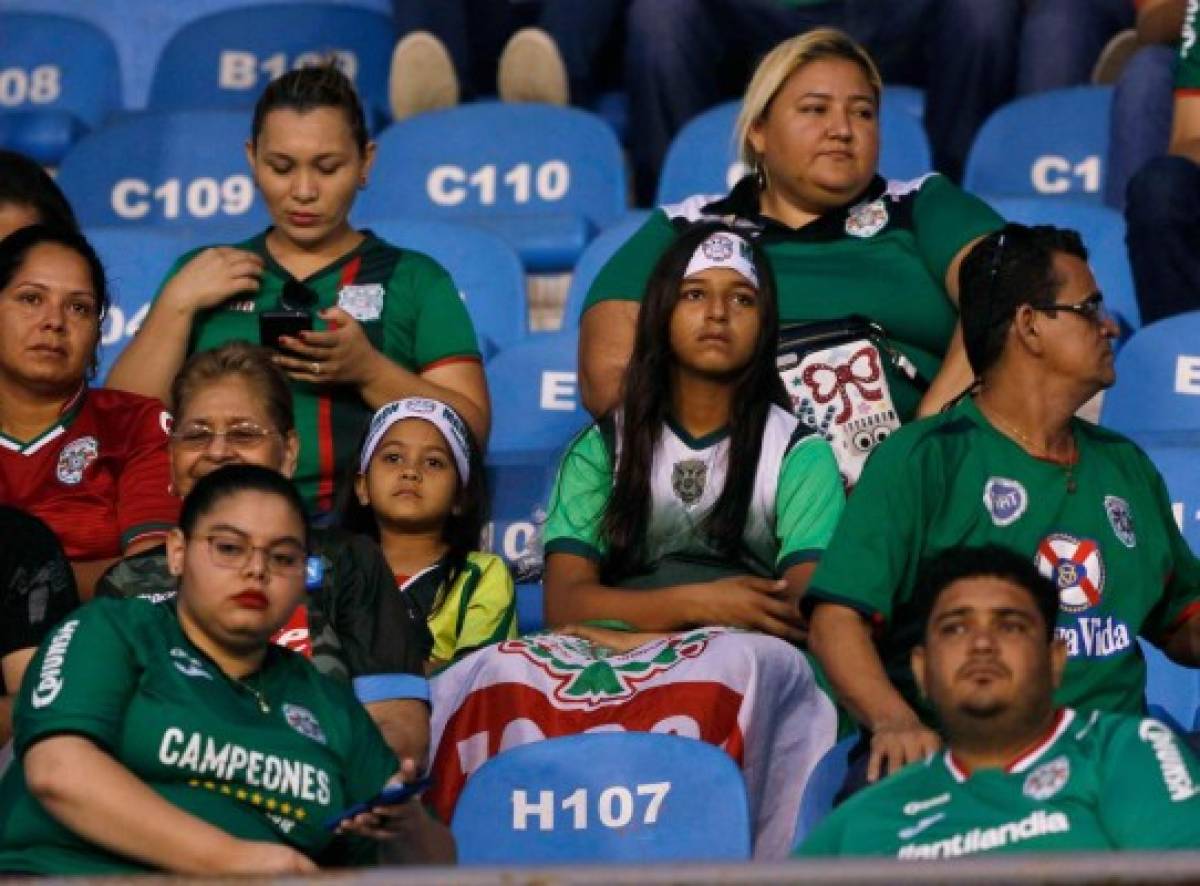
784,60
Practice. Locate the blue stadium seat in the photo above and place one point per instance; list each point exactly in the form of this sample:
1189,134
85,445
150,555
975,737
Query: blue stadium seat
535,395
703,158
1158,382
909,99
822,787
1172,691
225,59
61,75
519,486
1103,232
530,602
1177,457
611,797
487,272
1053,144
185,169
135,259
592,260
544,178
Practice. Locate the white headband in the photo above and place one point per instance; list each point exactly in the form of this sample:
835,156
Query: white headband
437,414
723,250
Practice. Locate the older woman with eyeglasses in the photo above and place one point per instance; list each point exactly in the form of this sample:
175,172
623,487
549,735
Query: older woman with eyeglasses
1010,465
177,737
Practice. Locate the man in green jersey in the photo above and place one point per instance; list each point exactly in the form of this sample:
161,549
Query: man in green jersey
1018,774
1010,465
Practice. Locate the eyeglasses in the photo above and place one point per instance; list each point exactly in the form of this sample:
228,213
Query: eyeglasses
297,297
232,552
1091,308
243,436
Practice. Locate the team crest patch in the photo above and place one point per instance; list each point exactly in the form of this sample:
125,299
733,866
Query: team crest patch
1005,500
362,302
303,721
188,665
1048,779
718,247
586,681
867,219
688,478
1076,567
1121,519
74,459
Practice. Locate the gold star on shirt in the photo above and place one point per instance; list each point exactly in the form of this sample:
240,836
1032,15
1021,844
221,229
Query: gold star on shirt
285,808
271,803
301,815
241,794
256,799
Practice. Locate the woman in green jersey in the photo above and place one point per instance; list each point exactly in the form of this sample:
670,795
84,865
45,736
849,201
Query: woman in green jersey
178,737
385,323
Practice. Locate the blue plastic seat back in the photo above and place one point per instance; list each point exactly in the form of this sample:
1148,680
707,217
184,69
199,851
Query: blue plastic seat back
1053,144
1103,233
545,178
224,60
484,266
703,157
519,487
1158,381
1172,691
44,136
822,787
56,63
598,252
1177,457
135,262
184,169
604,797
535,394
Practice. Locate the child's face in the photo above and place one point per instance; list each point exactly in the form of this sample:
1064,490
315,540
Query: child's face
715,323
411,483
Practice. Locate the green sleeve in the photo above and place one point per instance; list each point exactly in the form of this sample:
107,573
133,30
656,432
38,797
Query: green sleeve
490,614
878,534
1187,73
947,218
624,275
1150,795
1181,595
81,679
444,328
580,496
809,501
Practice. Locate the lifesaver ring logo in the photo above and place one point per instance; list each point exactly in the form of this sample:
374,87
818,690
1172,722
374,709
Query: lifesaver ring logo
1076,567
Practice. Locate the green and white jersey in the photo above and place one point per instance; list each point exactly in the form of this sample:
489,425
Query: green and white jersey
1102,530
1097,781
795,505
883,255
271,757
1187,73
410,311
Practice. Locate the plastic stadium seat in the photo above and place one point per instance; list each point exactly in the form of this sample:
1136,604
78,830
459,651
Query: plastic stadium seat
1172,691
1158,382
519,486
535,394
135,262
597,253
545,178
1053,144
611,797
530,602
487,272
1103,232
703,158
224,60
61,74
185,169
822,787
1178,459
909,99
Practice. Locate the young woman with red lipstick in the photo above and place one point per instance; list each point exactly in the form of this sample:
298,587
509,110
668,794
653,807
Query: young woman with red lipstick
384,323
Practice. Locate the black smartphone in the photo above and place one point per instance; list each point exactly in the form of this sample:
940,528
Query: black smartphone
392,795
273,324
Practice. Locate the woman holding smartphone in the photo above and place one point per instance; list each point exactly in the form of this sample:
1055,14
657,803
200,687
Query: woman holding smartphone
356,321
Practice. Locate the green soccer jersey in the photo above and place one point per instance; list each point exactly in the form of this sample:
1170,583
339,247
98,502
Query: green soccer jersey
795,505
1096,782
410,311
1187,73
884,256
271,757
1101,529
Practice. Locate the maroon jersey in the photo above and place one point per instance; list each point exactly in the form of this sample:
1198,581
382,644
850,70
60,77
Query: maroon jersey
98,476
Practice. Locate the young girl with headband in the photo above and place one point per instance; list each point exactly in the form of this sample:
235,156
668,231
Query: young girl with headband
419,492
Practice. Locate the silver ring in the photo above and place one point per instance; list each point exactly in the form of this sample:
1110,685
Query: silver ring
316,368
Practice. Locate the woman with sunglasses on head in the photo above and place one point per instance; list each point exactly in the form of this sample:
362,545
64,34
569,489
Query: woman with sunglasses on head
386,323
232,405
91,463
177,737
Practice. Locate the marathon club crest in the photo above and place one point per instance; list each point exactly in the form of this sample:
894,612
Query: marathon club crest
867,219
74,459
363,301
1121,520
1005,500
1076,567
303,721
718,248
688,478
1047,780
